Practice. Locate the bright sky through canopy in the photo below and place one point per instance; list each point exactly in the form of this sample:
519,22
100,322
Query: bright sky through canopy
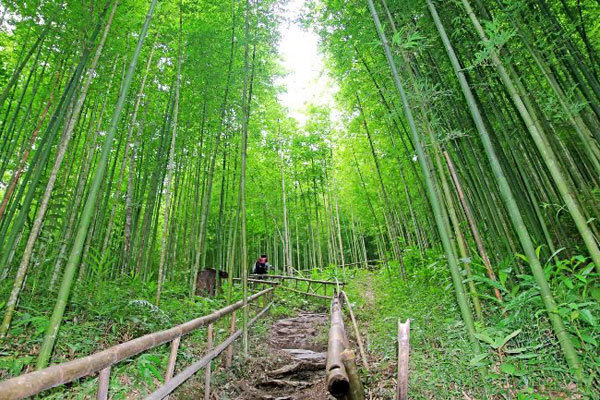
306,81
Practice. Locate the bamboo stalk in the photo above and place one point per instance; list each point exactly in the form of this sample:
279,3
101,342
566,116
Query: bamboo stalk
474,229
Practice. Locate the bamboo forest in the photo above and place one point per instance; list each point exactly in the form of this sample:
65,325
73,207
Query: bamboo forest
300,199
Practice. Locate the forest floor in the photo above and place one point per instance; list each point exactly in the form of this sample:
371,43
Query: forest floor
441,362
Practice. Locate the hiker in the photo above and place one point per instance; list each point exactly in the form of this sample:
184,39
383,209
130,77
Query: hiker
261,267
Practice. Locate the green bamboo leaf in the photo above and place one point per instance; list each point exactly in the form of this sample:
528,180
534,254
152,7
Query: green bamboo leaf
589,339
509,337
568,283
485,338
475,361
586,315
526,356
508,368
522,257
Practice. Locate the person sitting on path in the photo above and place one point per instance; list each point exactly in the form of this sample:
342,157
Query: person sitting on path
261,267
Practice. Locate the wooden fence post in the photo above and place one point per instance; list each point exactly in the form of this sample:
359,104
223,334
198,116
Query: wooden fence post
103,381
403,351
208,367
229,354
172,360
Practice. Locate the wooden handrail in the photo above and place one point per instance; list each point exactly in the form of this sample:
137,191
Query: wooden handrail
342,376
305,293
284,277
257,281
35,382
359,341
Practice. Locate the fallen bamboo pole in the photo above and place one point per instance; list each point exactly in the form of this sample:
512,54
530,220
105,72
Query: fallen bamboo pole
338,383
35,382
356,390
203,362
403,352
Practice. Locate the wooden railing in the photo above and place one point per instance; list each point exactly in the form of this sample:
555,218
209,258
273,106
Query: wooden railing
298,278
312,288
36,382
176,381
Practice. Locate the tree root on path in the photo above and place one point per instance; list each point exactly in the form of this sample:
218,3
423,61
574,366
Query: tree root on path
297,367
282,383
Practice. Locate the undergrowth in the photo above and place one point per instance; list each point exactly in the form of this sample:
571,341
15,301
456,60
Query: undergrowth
103,313
521,357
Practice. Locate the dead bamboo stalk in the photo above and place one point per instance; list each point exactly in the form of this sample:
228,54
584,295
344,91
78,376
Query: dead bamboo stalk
403,353
209,346
474,229
359,340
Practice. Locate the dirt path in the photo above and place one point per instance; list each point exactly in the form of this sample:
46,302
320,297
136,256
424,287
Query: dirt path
368,293
293,365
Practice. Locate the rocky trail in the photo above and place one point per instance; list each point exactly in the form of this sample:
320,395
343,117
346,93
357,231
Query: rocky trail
293,364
